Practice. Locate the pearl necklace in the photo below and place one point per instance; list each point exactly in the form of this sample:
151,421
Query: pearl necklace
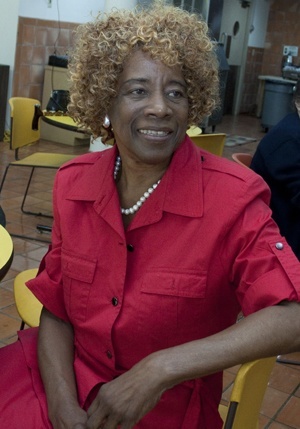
140,202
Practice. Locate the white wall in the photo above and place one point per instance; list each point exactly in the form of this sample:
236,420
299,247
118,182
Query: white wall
69,10
259,22
66,10
8,35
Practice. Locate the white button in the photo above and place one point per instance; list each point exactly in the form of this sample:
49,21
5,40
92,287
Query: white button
279,246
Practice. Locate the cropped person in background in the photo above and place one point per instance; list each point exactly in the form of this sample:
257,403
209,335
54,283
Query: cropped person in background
156,247
277,160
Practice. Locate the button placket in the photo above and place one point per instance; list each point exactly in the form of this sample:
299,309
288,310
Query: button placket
115,301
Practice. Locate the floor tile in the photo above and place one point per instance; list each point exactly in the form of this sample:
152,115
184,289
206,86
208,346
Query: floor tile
276,425
284,378
6,298
274,399
290,414
8,326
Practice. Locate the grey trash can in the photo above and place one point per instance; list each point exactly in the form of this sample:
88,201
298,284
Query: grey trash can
277,103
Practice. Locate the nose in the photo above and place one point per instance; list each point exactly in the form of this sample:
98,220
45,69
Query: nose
158,105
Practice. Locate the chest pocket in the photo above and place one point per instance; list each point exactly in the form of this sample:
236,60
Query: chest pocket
171,305
78,274
184,285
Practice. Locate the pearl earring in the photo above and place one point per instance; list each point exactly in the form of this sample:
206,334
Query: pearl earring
106,123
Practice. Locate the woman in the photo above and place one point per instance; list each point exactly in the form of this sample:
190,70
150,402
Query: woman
156,246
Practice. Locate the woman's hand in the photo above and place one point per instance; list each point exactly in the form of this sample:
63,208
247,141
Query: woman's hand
125,400
69,417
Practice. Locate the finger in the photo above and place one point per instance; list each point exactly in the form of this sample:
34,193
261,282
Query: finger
96,421
127,426
111,423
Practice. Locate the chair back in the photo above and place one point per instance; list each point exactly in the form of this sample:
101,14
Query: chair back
242,159
213,143
247,395
22,113
28,306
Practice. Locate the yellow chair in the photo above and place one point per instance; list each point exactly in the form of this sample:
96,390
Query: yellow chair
28,306
247,395
242,158
213,143
6,251
194,131
22,134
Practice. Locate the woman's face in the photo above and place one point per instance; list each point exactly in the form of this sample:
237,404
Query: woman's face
149,114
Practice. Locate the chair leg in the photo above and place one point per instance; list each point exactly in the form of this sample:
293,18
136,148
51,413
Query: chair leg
44,228
3,178
281,359
25,195
230,415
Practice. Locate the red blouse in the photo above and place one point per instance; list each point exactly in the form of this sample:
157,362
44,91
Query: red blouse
202,247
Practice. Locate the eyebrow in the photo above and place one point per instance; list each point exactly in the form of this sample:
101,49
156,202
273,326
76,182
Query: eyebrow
145,80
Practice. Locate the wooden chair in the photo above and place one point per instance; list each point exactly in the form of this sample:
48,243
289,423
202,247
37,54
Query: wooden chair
213,143
22,134
242,158
28,306
247,395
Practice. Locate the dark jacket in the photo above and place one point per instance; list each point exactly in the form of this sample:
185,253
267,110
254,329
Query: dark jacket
277,160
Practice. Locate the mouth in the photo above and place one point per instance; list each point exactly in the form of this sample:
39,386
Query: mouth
155,133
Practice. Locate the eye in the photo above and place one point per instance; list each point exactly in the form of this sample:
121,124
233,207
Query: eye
175,93
138,91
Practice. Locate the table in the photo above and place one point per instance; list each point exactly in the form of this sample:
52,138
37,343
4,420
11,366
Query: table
68,123
63,121
6,251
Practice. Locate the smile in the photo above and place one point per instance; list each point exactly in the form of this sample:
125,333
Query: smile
154,133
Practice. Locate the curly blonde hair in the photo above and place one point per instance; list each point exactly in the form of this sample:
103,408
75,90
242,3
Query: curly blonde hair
169,34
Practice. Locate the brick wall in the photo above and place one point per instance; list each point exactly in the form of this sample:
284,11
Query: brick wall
250,86
37,39
283,29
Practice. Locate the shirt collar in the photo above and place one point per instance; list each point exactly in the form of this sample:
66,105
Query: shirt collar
183,181
180,191
92,180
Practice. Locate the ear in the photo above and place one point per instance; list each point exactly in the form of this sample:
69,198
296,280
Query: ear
297,104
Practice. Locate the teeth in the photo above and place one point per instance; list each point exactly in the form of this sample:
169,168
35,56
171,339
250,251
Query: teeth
154,133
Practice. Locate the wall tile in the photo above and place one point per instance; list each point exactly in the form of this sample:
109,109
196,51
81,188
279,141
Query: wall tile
39,55
37,74
28,35
37,39
41,36
26,52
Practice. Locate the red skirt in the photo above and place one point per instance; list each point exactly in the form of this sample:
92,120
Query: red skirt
22,397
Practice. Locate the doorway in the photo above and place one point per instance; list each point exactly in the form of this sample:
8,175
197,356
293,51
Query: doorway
234,34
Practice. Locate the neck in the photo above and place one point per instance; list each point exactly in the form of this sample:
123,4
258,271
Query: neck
132,196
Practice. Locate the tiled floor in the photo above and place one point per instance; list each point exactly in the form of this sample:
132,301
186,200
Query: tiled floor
281,406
